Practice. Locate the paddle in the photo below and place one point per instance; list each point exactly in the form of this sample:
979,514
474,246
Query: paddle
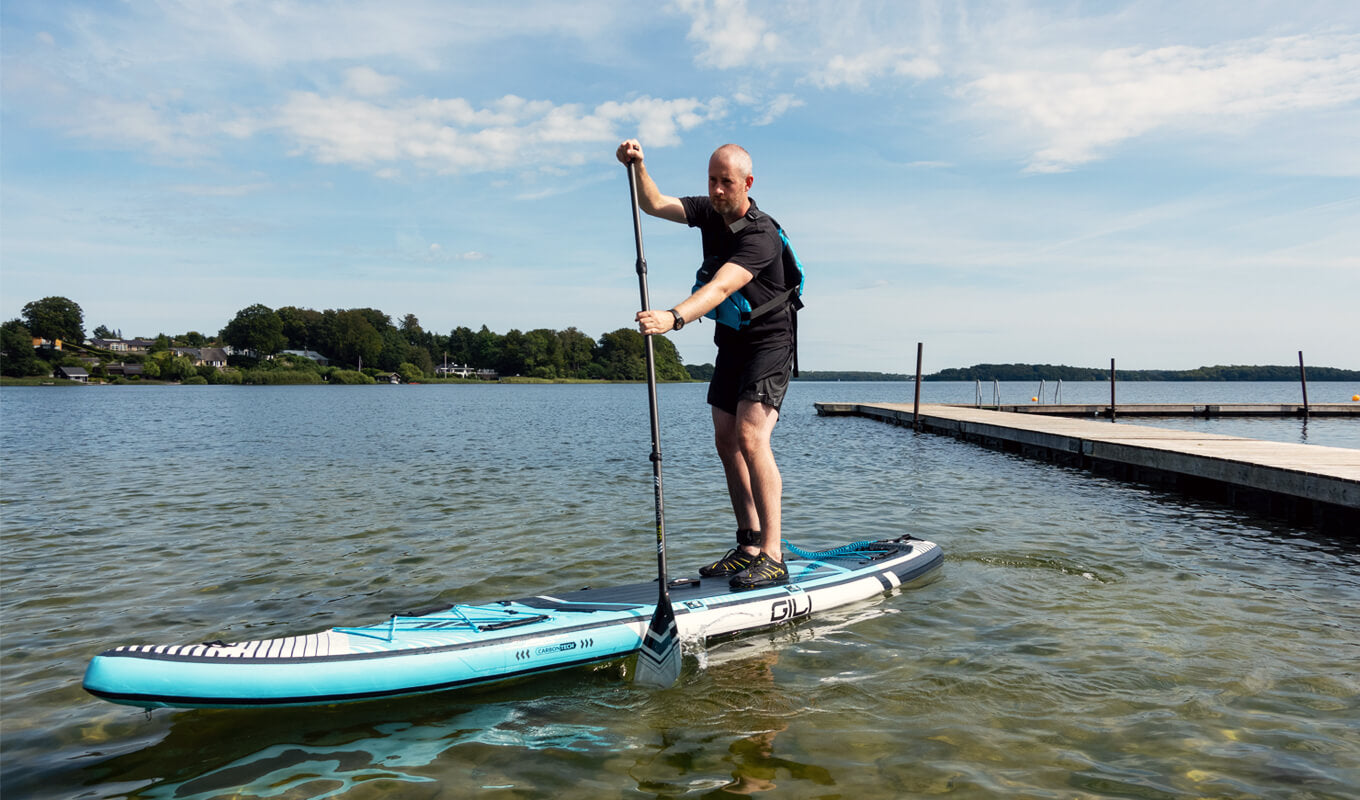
658,662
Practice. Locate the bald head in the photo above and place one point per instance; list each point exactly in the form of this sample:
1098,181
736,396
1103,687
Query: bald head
729,181
733,155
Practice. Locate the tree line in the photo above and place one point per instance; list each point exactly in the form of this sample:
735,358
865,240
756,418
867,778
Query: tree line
368,339
355,339
1036,372
367,336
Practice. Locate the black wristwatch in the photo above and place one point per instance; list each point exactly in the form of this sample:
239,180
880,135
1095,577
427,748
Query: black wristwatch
679,320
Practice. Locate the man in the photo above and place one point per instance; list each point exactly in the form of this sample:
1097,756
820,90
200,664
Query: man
742,253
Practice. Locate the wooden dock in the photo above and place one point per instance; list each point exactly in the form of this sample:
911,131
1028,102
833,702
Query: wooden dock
1206,410
1310,484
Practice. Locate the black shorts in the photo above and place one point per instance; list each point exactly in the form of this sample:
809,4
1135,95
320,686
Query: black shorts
759,373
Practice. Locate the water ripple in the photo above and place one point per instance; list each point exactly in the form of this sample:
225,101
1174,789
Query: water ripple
1085,637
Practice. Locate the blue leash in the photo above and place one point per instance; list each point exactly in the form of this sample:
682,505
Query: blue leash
852,549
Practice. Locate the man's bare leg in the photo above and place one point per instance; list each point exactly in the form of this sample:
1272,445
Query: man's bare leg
755,424
727,439
753,480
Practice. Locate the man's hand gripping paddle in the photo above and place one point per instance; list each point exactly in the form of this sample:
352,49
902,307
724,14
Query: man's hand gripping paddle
658,662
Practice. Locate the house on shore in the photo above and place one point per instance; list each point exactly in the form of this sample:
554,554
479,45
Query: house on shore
203,356
464,371
312,354
123,345
77,374
112,345
212,357
121,370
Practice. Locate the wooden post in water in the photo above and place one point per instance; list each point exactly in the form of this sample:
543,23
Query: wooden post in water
916,404
1303,379
1112,382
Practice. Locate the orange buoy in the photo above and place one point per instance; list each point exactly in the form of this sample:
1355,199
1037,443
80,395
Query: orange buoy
1355,398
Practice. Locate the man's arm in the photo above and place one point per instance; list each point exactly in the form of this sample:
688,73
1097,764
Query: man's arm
729,278
650,198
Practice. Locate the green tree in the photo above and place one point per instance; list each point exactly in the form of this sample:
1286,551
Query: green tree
668,364
376,318
511,361
395,349
355,338
348,376
305,329
194,339
621,356
420,357
486,349
102,332
161,344
175,368
421,344
704,372
411,330
577,350
255,328
17,358
55,318
462,345
542,352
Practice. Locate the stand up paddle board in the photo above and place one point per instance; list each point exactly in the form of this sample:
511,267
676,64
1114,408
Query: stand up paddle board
459,646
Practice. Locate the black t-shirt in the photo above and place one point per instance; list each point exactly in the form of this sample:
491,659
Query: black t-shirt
756,246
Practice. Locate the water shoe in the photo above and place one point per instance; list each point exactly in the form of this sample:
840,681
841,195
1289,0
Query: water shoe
735,561
764,571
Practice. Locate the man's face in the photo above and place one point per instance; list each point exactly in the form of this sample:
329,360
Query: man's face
727,185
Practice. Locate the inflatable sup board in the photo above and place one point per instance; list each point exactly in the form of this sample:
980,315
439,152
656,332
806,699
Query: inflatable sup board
458,646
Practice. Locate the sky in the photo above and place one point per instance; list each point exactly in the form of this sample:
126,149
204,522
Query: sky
1168,184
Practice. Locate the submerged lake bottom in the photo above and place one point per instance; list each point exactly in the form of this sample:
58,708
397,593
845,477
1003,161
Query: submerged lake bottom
1084,638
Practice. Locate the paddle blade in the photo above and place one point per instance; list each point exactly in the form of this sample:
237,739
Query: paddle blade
658,662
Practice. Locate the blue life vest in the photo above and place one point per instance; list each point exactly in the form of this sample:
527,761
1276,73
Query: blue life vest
736,311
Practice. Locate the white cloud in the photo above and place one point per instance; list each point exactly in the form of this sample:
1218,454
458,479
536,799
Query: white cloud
205,190
859,70
269,35
367,82
450,136
1120,94
776,108
152,124
730,35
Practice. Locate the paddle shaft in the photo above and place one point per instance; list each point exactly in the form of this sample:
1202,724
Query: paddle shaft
665,597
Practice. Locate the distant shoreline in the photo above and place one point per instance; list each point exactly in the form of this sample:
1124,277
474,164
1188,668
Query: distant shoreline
1049,372
1007,373
886,378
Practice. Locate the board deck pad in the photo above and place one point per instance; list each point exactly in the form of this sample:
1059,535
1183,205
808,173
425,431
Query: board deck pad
450,647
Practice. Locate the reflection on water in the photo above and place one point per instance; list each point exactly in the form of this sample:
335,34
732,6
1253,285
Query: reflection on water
765,711
1085,637
391,751
327,753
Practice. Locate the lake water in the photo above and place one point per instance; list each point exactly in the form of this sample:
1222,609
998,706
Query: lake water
1085,637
